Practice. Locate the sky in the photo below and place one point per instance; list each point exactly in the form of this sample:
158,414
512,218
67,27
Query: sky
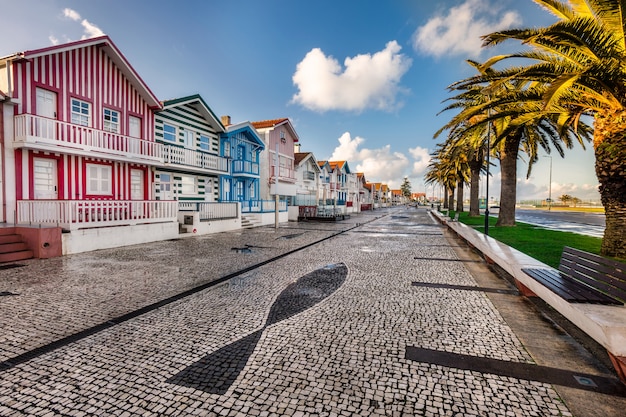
361,80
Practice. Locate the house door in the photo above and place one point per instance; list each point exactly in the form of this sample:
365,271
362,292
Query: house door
47,109
165,188
136,184
45,179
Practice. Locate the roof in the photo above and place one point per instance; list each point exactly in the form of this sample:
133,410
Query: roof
301,157
204,109
269,124
247,129
110,49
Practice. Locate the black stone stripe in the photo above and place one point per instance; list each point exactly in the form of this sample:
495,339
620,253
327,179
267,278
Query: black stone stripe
464,287
519,370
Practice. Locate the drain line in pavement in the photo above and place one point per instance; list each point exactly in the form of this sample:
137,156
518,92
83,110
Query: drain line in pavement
518,370
464,288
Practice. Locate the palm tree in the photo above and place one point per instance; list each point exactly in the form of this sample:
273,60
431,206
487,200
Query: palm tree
580,61
514,111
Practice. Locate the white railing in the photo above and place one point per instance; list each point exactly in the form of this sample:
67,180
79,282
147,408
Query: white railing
210,210
283,173
262,206
245,167
82,214
183,156
30,128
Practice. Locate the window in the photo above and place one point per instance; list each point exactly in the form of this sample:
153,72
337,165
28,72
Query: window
254,156
169,132
188,185
111,121
204,142
99,179
80,112
227,149
252,191
241,152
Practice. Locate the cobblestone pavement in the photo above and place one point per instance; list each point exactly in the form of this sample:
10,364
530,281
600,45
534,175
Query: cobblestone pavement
339,352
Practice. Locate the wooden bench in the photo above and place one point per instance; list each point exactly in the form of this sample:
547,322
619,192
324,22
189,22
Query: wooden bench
583,277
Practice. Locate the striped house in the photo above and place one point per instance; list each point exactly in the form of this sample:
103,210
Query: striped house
194,164
81,145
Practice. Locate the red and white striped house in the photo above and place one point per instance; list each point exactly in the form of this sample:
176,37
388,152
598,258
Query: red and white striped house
79,150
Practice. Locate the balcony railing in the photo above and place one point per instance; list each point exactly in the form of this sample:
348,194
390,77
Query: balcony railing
31,129
83,214
282,173
190,157
210,210
245,167
262,206
309,175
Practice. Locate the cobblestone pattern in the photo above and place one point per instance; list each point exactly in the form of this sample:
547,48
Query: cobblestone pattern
342,357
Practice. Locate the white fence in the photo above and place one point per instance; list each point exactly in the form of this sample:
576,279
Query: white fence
55,132
190,157
262,206
81,214
211,211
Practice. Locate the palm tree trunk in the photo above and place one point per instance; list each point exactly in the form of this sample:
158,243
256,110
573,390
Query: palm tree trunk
445,197
610,151
508,182
450,197
475,167
459,197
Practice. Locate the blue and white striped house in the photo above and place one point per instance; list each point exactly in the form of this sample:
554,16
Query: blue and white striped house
242,145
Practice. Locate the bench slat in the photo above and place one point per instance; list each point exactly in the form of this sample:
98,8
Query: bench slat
566,288
606,275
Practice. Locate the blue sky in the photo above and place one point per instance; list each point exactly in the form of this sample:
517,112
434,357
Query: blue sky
362,80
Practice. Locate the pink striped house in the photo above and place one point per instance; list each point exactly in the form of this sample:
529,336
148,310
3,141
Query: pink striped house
79,149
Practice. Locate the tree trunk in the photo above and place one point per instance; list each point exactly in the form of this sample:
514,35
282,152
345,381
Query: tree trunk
475,167
459,197
450,198
610,151
508,184
445,197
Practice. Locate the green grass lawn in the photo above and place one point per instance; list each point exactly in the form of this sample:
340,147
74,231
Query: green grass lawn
542,244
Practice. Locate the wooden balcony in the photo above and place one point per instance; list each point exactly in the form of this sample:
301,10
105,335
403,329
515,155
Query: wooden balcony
36,132
241,167
196,160
282,174
84,214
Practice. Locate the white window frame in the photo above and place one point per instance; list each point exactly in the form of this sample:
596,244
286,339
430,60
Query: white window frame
205,143
111,120
99,179
132,122
80,112
188,185
173,137
189,138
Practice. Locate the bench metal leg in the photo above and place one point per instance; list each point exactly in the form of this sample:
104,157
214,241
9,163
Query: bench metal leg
619,363
524,290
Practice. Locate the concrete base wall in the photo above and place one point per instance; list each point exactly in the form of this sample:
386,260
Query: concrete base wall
85,240
45,242
605,324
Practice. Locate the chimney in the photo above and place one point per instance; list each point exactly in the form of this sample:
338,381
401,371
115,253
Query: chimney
226,120
296,147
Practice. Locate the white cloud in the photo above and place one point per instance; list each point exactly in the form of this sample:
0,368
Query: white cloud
379,165
422,159
90,30
365,81
458,32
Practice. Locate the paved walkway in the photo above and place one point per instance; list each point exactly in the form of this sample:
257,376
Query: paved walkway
378,315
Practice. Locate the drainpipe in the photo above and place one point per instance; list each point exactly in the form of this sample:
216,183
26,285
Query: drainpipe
3,219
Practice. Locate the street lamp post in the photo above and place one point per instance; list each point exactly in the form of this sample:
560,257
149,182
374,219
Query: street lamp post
487,179
550,185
